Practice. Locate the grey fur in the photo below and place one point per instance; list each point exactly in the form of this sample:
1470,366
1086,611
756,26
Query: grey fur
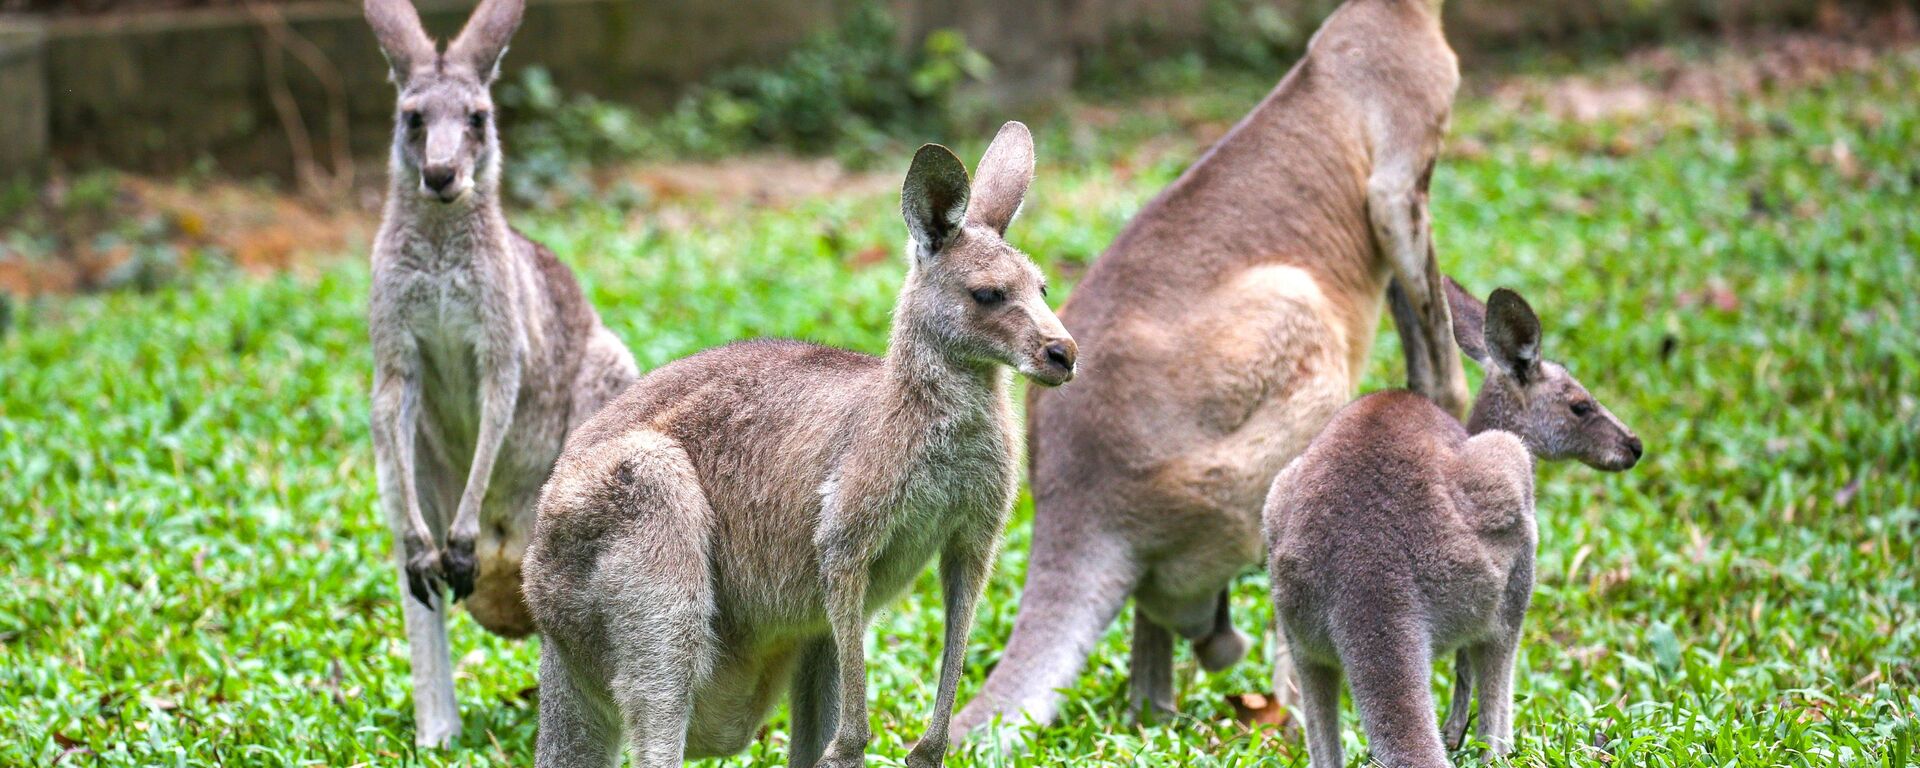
731,522
1399,536
485,352
1223,328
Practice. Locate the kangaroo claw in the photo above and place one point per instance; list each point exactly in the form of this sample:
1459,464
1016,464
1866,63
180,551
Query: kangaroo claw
459,567
423,576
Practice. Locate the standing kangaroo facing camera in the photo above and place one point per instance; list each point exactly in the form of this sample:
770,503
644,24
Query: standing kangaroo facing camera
727,527
1399,535
485,352
1223,328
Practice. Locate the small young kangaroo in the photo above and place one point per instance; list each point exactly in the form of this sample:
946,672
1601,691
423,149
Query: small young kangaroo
731,522
485,352
1223,328
1398,535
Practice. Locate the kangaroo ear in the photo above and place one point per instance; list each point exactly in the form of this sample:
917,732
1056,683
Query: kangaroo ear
1469,321
934,200
1001,182
483,41
396,25
1513,335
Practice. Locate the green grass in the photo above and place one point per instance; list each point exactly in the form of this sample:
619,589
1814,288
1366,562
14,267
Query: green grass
193,571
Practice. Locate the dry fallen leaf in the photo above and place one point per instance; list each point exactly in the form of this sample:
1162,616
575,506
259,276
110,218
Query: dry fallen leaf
159,703
869,256
1258,709
1845,495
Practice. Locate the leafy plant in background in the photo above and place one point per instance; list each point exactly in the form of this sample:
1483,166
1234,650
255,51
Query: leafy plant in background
554,136
1237,36
851,86
851,89
1253,35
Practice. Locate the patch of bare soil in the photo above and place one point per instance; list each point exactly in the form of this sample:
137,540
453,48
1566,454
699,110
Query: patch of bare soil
105,231
684,196
757,180
1656,78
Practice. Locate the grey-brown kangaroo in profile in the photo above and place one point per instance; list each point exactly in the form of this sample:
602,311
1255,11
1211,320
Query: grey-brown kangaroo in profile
727,527
1399,535
1224,327
485,352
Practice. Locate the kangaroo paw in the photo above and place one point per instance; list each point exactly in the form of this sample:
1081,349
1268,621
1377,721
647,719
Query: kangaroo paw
423,574
459,567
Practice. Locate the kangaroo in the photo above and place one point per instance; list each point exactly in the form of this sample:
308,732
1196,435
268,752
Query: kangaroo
1223,328
726,528
1399,535
485,352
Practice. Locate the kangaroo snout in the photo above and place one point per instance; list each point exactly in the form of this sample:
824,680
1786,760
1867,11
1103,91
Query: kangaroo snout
1634,450
438,181
1056,363
1060,354
1622,458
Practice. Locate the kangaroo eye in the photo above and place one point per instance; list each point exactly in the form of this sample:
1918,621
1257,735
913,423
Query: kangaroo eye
478,119
988,297
414,120
1583,408
1043,290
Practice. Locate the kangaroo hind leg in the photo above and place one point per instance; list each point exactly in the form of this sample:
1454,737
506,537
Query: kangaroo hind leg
657,605
1076,585
576,729
1391,674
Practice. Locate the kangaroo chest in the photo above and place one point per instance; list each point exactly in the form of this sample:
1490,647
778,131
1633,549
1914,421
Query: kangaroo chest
444,315
440,295
959,485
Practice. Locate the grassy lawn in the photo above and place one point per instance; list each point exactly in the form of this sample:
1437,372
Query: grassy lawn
193,569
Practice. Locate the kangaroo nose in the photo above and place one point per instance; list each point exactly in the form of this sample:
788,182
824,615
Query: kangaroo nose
1061,353
1633,444
437,179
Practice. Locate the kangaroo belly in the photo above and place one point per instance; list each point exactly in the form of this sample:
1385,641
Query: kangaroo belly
732,705
1255,376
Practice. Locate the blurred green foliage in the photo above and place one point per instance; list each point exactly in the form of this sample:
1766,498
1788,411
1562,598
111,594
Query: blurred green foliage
852,90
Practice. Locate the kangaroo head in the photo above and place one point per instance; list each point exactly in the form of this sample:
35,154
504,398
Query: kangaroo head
1536,399
979,298
444,131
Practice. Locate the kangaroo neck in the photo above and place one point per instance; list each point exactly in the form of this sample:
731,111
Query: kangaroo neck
1488,412
925,379
1494,410
435,220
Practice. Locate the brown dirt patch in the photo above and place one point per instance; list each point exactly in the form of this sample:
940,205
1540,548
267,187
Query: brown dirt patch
62,245
1657,78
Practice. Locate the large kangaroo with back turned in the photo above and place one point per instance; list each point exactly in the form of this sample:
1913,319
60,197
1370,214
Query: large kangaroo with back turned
485,352
1398,536
1223,329
731,522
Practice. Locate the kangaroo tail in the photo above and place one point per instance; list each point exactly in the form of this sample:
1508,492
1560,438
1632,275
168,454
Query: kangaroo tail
1076,585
